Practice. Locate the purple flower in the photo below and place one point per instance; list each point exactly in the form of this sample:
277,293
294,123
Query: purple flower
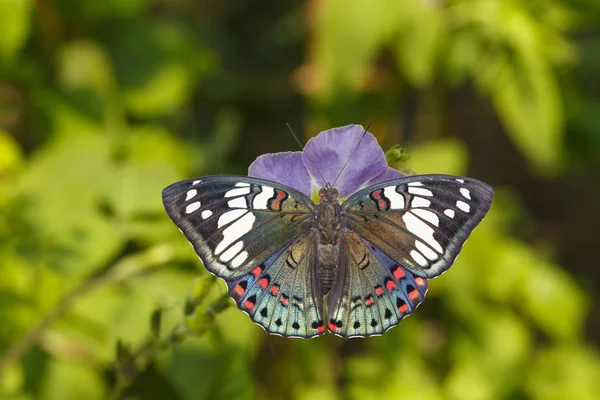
329,151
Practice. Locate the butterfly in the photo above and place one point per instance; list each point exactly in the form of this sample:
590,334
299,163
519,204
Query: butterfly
355,269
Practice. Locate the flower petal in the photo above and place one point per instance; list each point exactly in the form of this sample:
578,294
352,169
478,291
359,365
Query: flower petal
286,168
387,175
331,149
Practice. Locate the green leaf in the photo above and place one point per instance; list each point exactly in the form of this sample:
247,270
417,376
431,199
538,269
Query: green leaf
467,381
529,105
397,155
11,157
205,369
349,33
421,26
164,92
515,62
565,372
554,301
67,380
444,156
65,188
84,64
15,22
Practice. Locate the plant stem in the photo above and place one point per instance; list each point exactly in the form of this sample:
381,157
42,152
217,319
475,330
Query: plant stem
123,270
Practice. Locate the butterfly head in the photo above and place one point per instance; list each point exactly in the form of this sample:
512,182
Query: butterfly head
328,193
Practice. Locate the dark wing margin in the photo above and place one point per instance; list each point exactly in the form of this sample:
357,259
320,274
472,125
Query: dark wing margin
420,222
372,293
278,294
235,223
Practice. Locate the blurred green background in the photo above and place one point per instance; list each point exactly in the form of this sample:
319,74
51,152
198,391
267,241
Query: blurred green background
105,102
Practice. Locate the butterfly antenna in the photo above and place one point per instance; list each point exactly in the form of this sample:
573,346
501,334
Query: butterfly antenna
351,155
302,148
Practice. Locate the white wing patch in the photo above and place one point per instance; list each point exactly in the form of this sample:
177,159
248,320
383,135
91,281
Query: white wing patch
239,259
239,202
261,199
419,202
232,233
229,216
232,251
428,216
465,192
191,194
242,184
197,182
206,214
415,184
192,207
449,212
426,250
421,230
238,192
395,198
418,258
463,206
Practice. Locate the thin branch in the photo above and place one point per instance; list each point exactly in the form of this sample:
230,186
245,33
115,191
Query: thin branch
125,269
128,366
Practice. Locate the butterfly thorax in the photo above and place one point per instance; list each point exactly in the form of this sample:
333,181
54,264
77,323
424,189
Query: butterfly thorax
329,224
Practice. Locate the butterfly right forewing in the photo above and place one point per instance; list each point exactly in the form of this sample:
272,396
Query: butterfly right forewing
421,222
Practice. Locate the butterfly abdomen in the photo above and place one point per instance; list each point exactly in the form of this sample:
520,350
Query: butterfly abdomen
328,242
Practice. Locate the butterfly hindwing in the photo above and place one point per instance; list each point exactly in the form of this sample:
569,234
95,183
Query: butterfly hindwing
372,293
235,223
278,294
420,222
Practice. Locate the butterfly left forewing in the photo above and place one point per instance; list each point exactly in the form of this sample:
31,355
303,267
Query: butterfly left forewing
420,222
235,223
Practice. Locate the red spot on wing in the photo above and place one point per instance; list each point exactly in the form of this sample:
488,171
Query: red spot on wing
379,290
331,326
257,271
238,290
399,273
321,329
420,281
390,285
284,300
274,289
369,301
414,295
280,194
276,202
377,194
249,305
382,204
403,308
263,283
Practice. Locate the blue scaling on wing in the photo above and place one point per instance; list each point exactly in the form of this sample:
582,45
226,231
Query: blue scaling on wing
372,293
421,222
281,294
